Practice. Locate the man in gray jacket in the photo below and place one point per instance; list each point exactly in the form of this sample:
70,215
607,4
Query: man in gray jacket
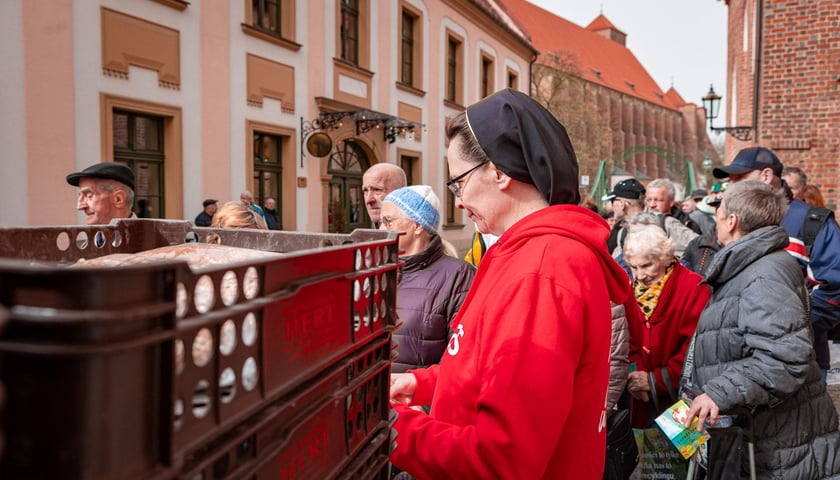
659,200
753,349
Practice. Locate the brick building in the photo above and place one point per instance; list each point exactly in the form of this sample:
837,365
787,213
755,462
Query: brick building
783,74
613,109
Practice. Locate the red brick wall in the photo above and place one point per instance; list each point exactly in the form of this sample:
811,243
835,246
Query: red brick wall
799,84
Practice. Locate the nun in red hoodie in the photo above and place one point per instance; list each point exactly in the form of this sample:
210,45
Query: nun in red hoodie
520,391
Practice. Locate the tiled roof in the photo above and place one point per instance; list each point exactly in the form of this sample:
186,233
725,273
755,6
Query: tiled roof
601,23
500,15
674,99
601,61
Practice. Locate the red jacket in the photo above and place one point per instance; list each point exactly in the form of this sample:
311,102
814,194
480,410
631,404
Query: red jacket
659,345
521,391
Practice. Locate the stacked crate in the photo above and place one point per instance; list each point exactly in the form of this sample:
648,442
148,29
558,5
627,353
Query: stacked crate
270,369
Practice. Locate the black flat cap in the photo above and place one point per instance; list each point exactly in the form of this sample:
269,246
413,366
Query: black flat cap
628,188
210,201
525,141
106,171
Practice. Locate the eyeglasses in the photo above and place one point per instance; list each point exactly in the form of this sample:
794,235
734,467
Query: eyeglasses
387,222
456,187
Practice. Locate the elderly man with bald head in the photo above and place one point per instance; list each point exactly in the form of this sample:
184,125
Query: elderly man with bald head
378,181
247,199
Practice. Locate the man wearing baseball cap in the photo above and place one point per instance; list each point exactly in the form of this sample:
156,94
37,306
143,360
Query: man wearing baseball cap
754,163
628,199
106,192
814,241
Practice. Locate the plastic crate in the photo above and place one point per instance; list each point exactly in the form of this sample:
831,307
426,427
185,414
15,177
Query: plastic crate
338,421
99,363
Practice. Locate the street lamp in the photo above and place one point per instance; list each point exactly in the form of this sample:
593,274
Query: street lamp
711,103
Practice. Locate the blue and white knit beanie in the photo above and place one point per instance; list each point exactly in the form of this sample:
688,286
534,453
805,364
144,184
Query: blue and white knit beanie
420,203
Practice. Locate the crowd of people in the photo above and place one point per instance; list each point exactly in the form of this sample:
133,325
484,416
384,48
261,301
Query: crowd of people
731,298
509,362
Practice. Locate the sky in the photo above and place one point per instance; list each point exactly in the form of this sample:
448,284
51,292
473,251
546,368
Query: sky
679,42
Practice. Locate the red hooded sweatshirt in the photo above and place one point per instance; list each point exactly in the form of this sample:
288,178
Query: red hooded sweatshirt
520,392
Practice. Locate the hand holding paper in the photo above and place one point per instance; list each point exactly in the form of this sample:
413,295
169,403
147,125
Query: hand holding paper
679,426
706,411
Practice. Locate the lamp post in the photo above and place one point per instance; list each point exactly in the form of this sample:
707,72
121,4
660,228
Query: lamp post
711,103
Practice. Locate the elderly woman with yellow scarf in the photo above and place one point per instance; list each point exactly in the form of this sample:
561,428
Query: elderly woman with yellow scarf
670,298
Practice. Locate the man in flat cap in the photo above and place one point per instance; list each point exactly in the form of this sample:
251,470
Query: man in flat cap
205,218
528,362
106,192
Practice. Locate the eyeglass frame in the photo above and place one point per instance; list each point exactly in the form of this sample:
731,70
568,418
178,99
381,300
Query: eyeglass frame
389,222
456,188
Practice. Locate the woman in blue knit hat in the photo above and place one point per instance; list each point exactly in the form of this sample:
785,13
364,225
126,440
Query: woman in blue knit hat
432,282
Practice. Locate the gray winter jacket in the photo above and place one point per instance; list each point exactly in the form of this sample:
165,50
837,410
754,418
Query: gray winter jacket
430,290
754,349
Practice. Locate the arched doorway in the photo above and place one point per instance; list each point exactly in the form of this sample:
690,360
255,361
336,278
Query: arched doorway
346,208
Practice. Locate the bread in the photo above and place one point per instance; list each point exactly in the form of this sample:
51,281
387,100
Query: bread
197,256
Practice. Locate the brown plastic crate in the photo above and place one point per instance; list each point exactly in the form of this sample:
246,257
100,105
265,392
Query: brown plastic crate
337,422
98,361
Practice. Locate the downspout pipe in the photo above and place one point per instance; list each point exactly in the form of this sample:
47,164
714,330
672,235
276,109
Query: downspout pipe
759,26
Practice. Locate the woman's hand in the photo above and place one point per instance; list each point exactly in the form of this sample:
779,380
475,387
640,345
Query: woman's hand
638,384
403,386
704,408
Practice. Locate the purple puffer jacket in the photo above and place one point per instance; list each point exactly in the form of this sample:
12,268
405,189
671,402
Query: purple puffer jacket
430,291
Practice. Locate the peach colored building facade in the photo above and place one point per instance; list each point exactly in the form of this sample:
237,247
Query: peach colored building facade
206,98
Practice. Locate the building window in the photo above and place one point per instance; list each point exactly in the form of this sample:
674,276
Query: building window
453,70
268,161
486,76
350,31
512,80
346,203
407,70
408,164
138,143
272,21
267,15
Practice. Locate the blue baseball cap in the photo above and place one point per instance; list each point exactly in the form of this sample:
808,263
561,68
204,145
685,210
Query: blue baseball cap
749,159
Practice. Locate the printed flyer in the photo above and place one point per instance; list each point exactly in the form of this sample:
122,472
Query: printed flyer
687,440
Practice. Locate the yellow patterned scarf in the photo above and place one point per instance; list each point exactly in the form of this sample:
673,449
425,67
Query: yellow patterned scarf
649,297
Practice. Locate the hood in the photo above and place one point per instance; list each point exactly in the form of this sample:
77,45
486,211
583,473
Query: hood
708,240
738,255
579,224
